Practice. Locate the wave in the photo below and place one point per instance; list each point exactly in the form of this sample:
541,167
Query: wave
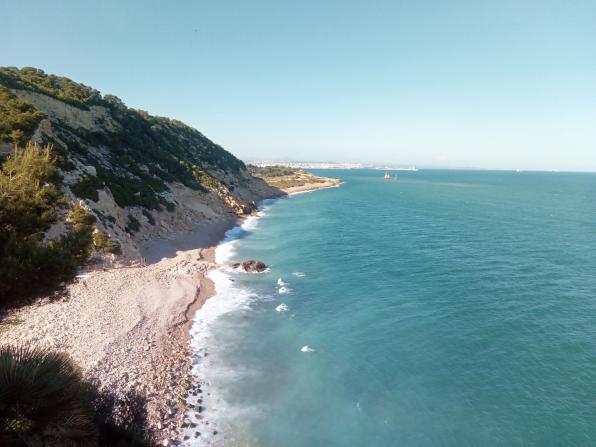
226,250
299,274
282,308
281,282
228,297
284,290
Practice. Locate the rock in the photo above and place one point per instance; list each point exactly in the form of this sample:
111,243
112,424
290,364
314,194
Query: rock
90,170
250,266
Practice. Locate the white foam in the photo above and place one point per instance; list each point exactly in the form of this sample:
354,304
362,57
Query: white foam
228,297
299,274
284,290
282,308
226,250
307,348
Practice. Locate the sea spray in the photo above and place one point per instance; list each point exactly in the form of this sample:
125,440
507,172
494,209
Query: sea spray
282,308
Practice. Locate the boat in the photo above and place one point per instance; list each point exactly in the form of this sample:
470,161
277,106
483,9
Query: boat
388,176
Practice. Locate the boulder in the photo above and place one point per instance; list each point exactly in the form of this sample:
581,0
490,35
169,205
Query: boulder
250,266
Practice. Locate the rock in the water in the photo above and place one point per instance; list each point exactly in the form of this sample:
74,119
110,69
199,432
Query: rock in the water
250,266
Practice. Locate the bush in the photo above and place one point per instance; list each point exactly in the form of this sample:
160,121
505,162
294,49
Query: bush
273,171
103,243
18,118
45,401
133,224
86,187
29,203
149,217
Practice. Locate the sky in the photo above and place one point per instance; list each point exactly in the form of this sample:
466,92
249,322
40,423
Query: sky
507,84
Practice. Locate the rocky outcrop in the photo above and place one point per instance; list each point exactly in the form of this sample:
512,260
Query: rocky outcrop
250,266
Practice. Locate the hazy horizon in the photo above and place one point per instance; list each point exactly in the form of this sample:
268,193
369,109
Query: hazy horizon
464,84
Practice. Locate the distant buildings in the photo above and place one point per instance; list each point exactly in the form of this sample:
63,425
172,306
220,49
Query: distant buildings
330,165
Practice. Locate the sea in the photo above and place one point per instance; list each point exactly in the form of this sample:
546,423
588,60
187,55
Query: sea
443,308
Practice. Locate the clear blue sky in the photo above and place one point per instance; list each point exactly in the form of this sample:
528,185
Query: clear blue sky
494,84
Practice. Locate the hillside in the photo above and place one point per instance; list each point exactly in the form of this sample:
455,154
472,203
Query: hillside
138,177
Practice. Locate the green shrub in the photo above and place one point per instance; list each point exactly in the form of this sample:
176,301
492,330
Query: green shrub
86,187
103,243
29,202
45,401
18,118
204,179
149,217
272,171
170,206
133,224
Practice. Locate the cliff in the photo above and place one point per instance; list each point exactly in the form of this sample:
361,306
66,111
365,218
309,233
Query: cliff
141,176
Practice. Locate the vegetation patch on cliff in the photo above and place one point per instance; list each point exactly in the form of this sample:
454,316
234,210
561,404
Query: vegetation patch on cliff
30,202
135,156
18,118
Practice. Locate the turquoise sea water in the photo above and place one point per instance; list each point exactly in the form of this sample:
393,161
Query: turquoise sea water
447,308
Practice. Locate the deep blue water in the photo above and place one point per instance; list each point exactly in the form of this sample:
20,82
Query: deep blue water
447,308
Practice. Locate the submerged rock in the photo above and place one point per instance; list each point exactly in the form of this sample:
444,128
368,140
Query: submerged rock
250,266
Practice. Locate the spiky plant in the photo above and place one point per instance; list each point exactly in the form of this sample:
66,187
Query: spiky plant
44,400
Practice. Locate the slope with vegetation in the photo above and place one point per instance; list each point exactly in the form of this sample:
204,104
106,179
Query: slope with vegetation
83,175
30,202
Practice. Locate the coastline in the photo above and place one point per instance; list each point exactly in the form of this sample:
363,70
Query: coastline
309,187
130,328
196,426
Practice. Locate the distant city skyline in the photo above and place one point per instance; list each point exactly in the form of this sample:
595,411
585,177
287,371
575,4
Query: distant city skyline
490,85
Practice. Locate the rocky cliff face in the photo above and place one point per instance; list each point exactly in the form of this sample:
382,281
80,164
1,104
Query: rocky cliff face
143,177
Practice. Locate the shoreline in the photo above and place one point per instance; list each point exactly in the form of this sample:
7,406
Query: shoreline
315,187
309,187
130,328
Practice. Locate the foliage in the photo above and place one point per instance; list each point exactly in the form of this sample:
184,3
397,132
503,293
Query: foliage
133,224
44,400
86,187
59,87
130,191
28,193
149,217
146,154
103,243
206,180
79,241
18,118
272,171
29,204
